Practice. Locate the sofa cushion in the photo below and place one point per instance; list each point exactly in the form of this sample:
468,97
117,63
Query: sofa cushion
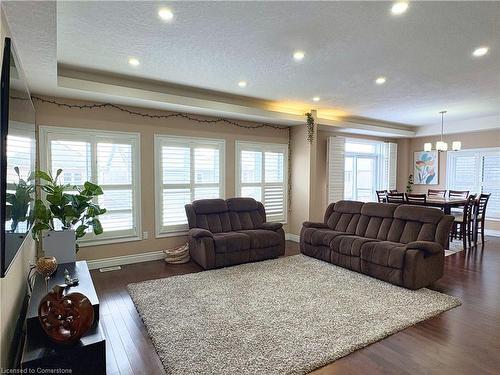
231,242
345,216
320,237
209,206
384,253
261,238
349,245
245,213
375,220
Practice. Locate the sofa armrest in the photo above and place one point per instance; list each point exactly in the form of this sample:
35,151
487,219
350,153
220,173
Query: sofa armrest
199,233
311,224
271,226
427,247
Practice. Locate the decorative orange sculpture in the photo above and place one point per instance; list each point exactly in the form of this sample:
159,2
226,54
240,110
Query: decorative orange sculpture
65,318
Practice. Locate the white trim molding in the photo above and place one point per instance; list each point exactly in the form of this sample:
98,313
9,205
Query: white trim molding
125,259
491,232
292,237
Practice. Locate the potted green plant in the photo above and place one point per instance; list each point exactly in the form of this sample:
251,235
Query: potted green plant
73,208
409,184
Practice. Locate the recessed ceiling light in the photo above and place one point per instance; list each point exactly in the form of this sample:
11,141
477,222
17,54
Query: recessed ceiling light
399,7
242,83
133,61
480,51
298,55
380,80
165,14
316,99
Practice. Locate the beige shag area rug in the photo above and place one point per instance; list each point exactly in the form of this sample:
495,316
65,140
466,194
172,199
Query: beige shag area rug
285,316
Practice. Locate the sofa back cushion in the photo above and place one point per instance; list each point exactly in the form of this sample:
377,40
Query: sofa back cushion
376,220
209,214
343,216
414,223
245,213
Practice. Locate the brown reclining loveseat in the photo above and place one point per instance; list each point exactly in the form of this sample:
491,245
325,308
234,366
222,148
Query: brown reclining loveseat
401,244
233,231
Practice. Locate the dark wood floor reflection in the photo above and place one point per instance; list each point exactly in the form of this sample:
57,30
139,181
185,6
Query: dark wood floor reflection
465,340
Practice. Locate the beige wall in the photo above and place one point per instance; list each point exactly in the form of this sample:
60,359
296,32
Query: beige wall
111,119
471,140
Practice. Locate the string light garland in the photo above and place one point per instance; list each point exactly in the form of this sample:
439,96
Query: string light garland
156,116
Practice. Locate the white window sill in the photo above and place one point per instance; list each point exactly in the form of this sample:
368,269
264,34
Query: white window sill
108,241
172,234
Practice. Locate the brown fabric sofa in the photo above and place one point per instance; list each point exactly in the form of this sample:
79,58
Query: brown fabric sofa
401,244
233,231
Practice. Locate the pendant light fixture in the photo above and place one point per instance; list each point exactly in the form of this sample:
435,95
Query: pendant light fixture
441,145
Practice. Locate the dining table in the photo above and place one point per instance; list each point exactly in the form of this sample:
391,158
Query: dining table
446,204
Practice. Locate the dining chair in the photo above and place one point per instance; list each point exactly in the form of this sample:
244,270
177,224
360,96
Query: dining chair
480,214
464,221
436,193
393,191
458,194
416,198
381,195
396,198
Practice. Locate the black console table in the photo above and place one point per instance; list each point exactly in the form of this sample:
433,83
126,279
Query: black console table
88,355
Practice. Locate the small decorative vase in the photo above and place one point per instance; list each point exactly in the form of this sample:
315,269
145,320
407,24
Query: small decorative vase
65,318
46,266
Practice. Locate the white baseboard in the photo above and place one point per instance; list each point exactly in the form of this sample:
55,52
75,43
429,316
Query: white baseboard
491,232
292,237
125,259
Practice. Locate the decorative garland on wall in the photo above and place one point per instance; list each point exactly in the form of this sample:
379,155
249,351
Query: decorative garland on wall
155,116
310,127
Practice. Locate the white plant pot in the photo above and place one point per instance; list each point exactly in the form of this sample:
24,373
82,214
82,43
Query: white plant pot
60,244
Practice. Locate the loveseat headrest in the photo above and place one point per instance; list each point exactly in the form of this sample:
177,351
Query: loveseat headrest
417,213
210,206
379,209
242,204
348,207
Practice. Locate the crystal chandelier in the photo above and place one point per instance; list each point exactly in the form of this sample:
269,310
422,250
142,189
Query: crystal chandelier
441,145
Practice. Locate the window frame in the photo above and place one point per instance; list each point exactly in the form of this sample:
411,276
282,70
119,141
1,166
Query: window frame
377,158
263,147
161,140
94,136
478,154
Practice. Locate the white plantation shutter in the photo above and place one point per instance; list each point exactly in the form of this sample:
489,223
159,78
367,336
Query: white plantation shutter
261,170
389,157
477,171
187,169
336,168
491,182
110,159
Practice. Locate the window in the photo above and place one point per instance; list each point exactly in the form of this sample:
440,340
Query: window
261,173
110,159
357,168
186,169
477,171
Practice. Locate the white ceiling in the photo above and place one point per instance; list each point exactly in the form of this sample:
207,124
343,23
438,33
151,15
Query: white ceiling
425,53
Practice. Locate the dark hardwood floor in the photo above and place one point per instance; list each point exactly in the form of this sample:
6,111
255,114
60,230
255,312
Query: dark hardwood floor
464,340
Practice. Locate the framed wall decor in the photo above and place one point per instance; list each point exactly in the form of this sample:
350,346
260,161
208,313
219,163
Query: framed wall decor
426,167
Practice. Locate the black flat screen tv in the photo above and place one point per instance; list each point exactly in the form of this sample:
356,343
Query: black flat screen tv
17,157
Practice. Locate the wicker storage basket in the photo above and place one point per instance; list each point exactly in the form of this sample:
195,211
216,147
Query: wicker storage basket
177,255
